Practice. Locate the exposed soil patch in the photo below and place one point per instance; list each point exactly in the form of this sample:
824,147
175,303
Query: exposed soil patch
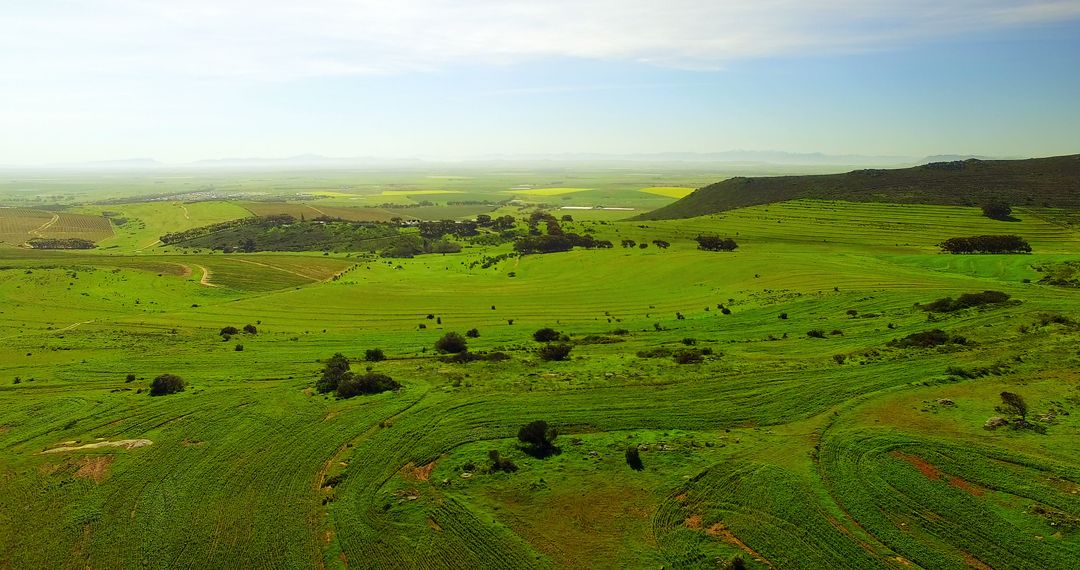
927,469
971,488
972,562
719,530
433,525
124,443
95,468
932,473
693,522
422,473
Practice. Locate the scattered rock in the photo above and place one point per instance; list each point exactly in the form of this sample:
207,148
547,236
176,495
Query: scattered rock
946,402
995,422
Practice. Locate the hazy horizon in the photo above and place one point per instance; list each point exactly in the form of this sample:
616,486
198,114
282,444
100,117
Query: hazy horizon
116,80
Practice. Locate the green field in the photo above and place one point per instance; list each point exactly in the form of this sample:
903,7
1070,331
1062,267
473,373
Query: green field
788,449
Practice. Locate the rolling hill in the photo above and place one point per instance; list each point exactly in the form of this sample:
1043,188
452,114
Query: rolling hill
1044,182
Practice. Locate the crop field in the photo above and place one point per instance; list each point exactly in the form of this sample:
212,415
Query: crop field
17,225
668,191
802,435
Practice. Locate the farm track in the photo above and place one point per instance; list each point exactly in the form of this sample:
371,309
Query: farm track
38,231
206,275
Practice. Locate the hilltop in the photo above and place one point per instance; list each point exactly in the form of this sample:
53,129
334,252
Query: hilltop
1045,182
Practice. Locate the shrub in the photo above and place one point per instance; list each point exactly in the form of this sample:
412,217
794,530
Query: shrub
333,371
815,333
735,563
598,339
250,329
997,211
782,316
167,384
659,352
498,463
472,333
239,348
689,356
462,357
689,341
633,458
374,355
555,351
451,342
967,300
539,437
227,331
546,334
926,339
371,383
129,378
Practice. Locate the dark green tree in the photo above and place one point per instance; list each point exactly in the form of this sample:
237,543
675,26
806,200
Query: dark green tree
1014,405
333,371
451,342
546,334
167,384
539,437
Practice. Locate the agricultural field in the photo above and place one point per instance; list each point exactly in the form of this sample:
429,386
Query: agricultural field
779,403
19,225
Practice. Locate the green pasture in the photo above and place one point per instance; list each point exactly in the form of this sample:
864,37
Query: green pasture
787,450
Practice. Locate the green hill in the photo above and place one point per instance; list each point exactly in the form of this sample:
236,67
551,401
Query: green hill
1046,182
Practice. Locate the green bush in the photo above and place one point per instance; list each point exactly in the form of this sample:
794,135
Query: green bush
451,342
555,351
167,384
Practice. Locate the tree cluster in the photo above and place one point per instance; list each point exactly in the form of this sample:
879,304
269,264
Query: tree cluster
337,377
986,244
926,339
61,243
715,243
965,301
438,229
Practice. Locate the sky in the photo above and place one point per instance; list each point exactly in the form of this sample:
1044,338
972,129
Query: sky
87,80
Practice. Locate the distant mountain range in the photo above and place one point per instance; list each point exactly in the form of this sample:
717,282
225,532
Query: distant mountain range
1049,182
734,158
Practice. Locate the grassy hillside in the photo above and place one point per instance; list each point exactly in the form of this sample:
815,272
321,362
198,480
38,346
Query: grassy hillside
789,450
1042,182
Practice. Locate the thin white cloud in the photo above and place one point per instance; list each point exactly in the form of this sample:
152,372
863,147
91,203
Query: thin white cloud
276,40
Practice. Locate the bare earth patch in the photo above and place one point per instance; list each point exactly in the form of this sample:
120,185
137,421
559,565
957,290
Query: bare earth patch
925,467
95,468
422,473
124,443
932,473
719,530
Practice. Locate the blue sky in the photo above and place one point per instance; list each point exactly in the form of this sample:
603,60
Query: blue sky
110,79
